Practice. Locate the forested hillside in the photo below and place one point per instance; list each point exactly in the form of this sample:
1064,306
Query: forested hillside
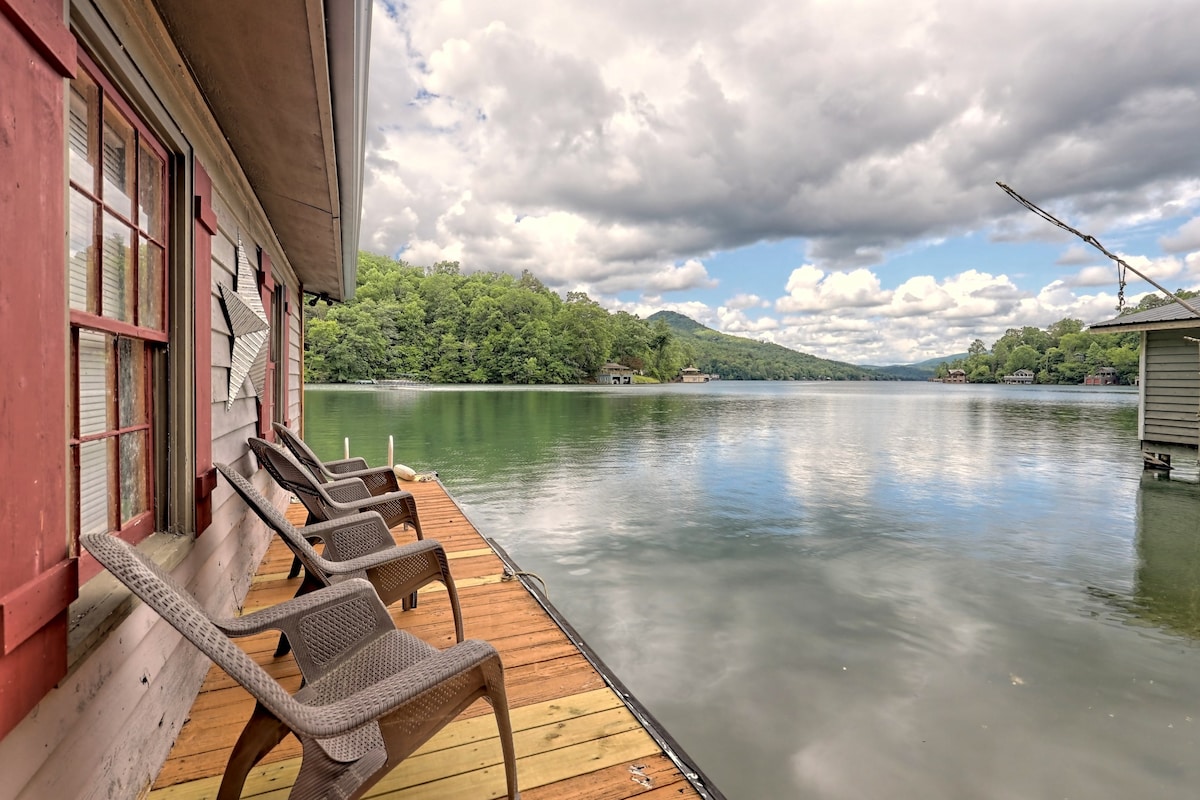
446,327
735,358
1062,353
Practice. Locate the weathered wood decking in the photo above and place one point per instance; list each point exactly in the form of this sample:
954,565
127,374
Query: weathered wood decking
574,736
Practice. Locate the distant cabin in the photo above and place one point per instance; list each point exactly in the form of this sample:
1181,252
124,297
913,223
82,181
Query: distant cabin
1169,380
613,373
692,375
956,376
1020,376
1105,376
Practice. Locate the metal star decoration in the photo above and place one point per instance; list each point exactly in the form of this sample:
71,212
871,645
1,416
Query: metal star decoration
250,328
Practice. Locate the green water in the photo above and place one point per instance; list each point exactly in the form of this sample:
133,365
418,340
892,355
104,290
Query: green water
837,590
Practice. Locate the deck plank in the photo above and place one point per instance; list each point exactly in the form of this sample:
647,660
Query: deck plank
574,737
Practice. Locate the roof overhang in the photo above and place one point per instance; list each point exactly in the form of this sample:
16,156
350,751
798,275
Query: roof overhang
1168,317
286,80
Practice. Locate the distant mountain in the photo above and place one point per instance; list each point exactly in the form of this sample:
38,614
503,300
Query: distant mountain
737,358
921,371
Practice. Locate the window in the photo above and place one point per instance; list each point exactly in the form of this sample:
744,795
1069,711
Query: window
117,293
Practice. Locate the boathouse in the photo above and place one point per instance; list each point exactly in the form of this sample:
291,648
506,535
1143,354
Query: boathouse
1105,376
1021,376
692,375
1169,380
616,374
956,376
175,175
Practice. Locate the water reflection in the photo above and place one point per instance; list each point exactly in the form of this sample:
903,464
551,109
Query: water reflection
1167,586
845,591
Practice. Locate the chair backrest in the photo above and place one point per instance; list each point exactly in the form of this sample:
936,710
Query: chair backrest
301,451
159,590
288,473
273,517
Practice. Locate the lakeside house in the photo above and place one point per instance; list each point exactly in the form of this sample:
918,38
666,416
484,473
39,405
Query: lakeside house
1105,376
693,375
1168,380
176,175
616,374
1021,376
955,376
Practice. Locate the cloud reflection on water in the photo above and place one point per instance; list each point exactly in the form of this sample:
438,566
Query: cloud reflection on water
839,591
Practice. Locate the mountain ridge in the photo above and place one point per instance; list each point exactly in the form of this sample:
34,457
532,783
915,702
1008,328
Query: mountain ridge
739,358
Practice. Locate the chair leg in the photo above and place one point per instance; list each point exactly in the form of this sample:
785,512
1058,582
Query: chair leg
309,584
261,734
493,676
296,565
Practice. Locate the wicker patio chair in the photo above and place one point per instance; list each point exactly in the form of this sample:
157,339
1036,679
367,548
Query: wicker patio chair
341,498
358,546
371,695
379,480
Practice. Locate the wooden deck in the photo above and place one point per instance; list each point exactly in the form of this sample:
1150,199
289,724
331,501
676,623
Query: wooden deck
574,736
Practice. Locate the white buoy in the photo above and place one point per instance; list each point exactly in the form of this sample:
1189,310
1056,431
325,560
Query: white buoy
346,447
391,460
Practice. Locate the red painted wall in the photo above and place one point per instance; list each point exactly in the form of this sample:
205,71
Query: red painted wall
38,577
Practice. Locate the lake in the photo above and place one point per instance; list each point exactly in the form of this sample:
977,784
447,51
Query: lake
845,590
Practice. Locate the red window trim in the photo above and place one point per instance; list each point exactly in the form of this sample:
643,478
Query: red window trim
266,289
286,357
83,319
204,229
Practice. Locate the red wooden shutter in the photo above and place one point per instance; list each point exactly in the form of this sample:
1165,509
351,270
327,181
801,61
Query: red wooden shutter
206,228
38,575
266,288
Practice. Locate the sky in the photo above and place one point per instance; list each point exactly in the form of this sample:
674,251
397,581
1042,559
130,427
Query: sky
820,174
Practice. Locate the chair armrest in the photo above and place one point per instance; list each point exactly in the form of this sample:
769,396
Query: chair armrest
346,465
379,557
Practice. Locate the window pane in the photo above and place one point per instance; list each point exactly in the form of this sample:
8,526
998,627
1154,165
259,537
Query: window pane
120,149
81,264
117,267
150,188
150,285
133,475
81,127
96,383
131,386
97,469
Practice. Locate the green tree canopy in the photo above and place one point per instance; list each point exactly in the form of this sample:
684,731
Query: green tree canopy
448,327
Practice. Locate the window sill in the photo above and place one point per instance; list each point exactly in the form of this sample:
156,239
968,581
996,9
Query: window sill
104,602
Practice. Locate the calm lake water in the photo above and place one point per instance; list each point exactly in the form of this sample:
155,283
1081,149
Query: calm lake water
846,590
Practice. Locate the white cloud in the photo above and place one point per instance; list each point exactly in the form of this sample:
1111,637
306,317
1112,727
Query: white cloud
1186,239
744,301
614,147
809,290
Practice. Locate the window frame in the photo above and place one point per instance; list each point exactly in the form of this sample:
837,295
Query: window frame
154,368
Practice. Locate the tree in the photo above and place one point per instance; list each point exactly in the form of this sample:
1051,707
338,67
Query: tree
1022,357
